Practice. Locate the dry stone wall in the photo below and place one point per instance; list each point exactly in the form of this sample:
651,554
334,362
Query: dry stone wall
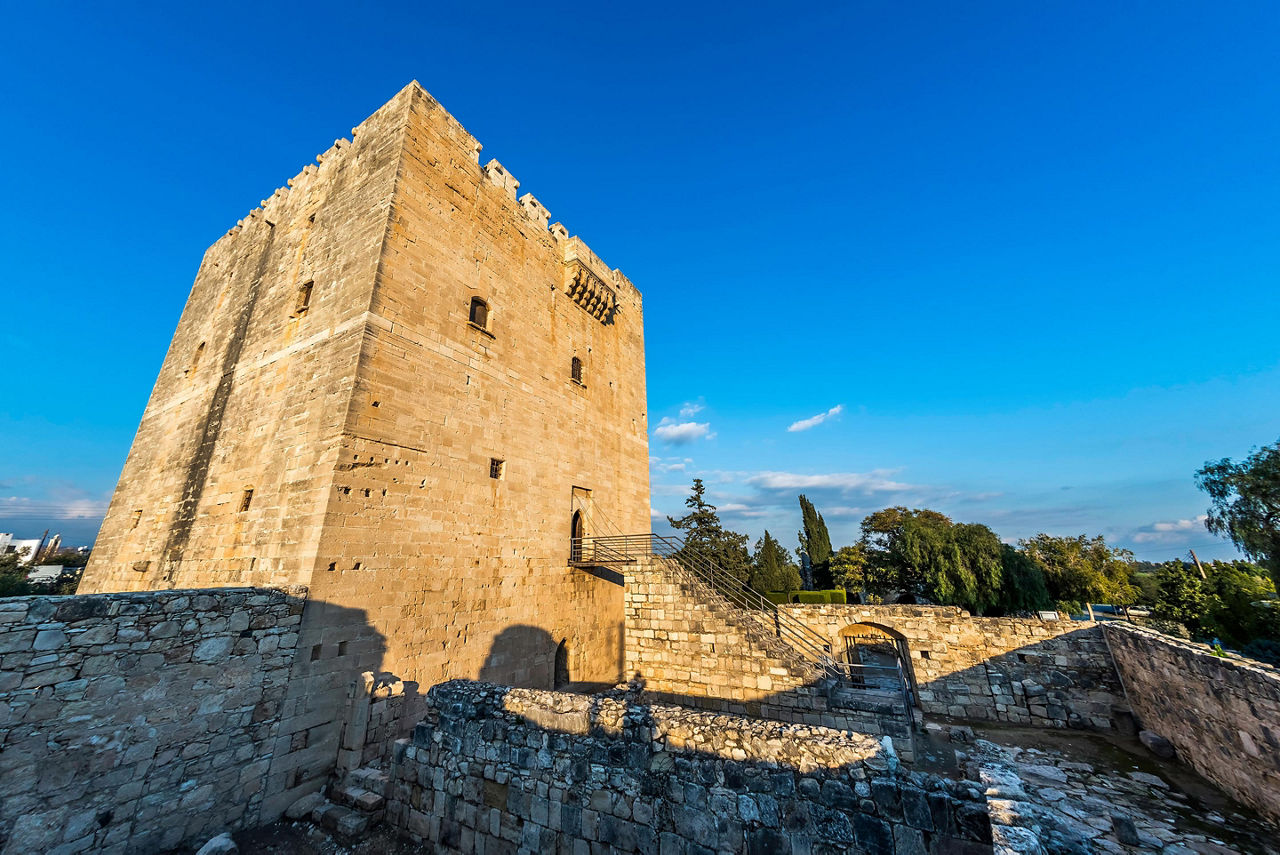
139,722
1222,715
495,770
688,645
1051,673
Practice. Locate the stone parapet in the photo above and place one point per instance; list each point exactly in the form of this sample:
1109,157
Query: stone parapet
493,769
1222,714
1049,673
140,722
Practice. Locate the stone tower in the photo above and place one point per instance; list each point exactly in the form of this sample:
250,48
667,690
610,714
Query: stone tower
396,384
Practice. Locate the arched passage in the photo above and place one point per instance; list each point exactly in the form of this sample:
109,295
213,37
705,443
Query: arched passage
878,657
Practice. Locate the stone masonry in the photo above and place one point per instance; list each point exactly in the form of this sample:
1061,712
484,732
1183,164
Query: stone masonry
372,392
688,645
140,722
1222,715
1052,673
494,770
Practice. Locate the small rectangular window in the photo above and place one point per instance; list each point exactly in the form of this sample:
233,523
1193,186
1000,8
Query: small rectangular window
246,500
304,299
496,468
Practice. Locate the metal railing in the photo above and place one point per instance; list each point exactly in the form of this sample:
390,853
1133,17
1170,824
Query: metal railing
627,549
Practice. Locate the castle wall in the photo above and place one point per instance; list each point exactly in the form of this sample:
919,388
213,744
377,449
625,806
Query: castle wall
364,414
140,722
1222,715
507,770
253,394
1050,673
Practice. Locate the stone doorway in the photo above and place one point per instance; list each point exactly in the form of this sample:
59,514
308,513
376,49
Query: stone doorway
878,658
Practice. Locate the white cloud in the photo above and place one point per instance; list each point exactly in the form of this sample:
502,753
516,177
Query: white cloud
1165,532
814,421
689,409
682,433
876,481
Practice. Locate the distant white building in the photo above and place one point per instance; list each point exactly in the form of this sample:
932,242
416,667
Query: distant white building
25,548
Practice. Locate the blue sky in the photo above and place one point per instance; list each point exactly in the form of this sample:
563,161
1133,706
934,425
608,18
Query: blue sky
1022,256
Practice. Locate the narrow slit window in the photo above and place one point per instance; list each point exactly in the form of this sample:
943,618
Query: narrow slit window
479,314
496,468
575,371
304,298
246,499
137,518
195,360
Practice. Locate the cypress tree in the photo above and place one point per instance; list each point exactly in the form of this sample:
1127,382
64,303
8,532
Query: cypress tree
815,543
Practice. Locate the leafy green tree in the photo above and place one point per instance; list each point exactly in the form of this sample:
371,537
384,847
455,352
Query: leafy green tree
1183,597
13,576
772,568
1022,587
815,544
1083,570
1241,610
706,539
1245,506
924,555
848,567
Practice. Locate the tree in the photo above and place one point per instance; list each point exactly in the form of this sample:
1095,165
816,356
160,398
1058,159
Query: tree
772,569
706,539
815,544
1083,570
1245,506
13,576
849,566
1022,587
1183,597
923,555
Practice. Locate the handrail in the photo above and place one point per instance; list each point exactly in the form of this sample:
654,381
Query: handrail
625,549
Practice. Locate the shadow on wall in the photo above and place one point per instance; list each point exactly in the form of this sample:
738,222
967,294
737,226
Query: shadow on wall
530,657
637,777
148,721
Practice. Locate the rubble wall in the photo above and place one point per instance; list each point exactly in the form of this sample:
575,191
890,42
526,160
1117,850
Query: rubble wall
1222,715
140,722
1049,673
497,770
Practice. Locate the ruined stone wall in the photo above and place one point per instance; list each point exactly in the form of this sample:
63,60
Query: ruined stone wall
1222,715
498,770
1053,673
140,722
686,644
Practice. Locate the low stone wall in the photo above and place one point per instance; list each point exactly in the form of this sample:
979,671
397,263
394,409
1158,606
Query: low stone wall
689,646
1222,715
139,722
1053,673
498,770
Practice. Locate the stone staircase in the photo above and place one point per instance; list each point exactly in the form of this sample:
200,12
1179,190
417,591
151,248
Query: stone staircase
352,808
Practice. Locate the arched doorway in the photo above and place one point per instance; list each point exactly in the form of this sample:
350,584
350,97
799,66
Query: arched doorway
878,658
577,531
560,677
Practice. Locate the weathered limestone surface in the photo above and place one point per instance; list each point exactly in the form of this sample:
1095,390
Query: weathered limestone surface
327,415
687,645
499,770
139,722
1222,715
1053,673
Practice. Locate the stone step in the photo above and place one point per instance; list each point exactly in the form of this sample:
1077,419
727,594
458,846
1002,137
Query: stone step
369,778
343,821
357,797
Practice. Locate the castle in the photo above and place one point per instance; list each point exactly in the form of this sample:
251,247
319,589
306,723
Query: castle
397,384
394,465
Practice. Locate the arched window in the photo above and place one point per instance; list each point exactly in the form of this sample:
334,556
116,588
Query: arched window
479,313
575,370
